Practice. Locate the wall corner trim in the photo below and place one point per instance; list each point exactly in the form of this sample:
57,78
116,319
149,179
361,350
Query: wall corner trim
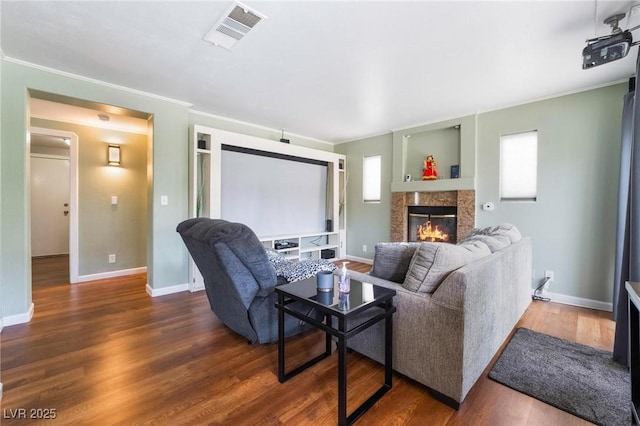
18,318
155,292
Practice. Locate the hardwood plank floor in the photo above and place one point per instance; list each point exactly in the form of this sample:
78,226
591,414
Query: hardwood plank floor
50,270
106,353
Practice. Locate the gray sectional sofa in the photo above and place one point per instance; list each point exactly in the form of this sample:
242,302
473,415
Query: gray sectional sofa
456,305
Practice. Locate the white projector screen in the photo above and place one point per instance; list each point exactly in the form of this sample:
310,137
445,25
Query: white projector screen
273,196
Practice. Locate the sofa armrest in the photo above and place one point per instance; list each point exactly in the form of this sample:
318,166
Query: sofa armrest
491,294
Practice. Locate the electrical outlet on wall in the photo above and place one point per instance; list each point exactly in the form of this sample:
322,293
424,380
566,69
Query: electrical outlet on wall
549,275
364,248
112,258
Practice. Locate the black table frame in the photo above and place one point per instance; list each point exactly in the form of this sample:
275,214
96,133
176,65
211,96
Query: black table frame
342,334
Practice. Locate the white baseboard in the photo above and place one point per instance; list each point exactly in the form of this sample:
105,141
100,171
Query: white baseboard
112,274
18,318
155,292
197,288
578,301
360,259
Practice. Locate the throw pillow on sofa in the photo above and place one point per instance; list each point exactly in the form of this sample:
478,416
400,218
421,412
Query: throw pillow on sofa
476,231
494,242
391,260
432,262
509,230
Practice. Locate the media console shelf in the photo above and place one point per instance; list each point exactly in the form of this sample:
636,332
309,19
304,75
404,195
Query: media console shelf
305,246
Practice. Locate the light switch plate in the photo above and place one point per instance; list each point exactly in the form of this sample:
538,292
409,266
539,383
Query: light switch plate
164,200
114,200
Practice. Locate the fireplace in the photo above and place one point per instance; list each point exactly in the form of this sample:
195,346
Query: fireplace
432,223
463,201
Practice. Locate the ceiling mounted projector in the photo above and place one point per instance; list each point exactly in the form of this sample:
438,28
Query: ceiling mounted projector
608,48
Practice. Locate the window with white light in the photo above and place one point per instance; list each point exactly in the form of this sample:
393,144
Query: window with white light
372,178
519,166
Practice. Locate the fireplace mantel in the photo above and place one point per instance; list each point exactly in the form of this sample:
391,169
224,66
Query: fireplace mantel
465,200
459,184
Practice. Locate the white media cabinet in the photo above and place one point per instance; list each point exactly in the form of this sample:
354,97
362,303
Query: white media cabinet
308,246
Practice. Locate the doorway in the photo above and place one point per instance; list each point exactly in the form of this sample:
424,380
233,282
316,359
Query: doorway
53,159
114,221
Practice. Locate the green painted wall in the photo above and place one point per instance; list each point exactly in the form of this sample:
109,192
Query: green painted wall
367,223
166,256
573,222
104,229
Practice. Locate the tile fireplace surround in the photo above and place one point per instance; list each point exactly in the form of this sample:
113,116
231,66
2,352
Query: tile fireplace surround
400,201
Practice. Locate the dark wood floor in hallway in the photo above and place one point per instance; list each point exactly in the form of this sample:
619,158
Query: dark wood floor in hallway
105,352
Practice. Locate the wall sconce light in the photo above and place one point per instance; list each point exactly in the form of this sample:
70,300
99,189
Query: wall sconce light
113,155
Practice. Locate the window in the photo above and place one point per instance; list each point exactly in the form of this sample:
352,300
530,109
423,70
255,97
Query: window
519,166
371,180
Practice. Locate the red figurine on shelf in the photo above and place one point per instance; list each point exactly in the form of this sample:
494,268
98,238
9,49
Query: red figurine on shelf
430,171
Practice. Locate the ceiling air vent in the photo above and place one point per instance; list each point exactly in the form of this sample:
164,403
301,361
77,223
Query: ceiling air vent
234,24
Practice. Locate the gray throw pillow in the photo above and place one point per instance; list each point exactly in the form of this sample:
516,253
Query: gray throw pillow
391,260
494,242
509,230
432,262
476,231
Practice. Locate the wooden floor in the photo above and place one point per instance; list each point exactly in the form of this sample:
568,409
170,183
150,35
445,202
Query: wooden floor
49,271
104,352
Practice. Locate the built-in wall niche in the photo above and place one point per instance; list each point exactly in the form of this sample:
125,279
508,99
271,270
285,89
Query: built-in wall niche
451,142
442,144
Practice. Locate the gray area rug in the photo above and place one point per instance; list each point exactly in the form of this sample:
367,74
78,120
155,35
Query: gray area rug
575,378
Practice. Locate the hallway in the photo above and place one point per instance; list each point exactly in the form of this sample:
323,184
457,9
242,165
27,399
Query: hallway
50,271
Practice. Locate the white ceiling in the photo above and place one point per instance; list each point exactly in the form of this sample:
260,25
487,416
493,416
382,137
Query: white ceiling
334,71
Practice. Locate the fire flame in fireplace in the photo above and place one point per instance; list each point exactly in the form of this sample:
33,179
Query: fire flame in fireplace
427,233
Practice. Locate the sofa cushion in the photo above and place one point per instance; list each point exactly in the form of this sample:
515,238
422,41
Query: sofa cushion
432,262
494,242
476,231
509,230
391,260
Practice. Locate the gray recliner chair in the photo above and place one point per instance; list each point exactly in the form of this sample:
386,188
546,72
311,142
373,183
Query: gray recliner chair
239,278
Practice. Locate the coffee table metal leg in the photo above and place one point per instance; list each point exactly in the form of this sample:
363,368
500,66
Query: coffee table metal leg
327,321
388,346
342,375
280,339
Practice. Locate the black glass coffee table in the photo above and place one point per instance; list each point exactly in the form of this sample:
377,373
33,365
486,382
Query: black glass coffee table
344,308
